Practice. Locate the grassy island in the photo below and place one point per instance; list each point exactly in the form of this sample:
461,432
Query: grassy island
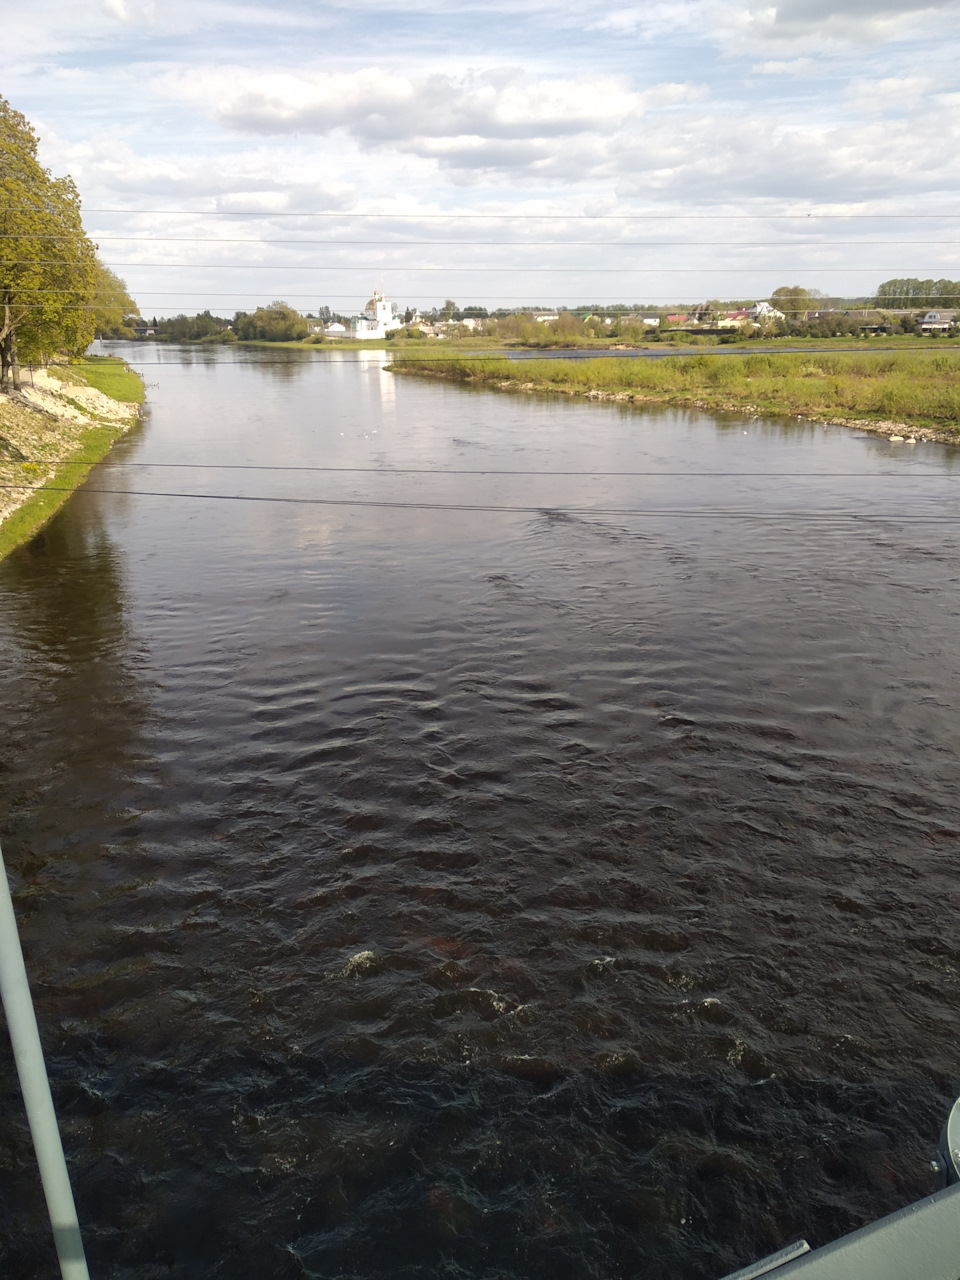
61,425
914,392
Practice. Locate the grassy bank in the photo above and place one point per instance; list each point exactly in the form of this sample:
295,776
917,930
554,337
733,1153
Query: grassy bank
64,425
914,390
108,374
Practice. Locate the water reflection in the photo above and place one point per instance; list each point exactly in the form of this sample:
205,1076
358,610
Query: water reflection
473,893
74,711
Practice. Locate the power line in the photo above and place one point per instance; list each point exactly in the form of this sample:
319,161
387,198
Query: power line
542,509
379,267
517,355
522,217
382,267
490,471
252,293
501,244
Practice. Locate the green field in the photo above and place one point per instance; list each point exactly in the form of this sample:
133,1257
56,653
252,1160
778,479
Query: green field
918,389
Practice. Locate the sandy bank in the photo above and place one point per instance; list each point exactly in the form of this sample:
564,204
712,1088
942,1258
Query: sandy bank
53,432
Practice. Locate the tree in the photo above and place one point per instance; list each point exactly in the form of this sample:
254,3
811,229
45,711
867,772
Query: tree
202,327
48,266
176,328
794,300
277,323
911,292
448,308
112,311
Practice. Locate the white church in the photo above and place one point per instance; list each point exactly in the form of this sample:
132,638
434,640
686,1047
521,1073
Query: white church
377,318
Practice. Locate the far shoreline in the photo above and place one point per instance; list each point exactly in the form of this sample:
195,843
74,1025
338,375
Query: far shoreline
788,388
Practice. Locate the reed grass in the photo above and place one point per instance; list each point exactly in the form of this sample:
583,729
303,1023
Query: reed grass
909,387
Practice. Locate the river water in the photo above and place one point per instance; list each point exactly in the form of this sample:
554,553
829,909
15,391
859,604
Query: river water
480,893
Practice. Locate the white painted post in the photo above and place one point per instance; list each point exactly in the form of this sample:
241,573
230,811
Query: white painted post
22,1025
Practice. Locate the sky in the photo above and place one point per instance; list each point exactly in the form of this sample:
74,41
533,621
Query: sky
509,152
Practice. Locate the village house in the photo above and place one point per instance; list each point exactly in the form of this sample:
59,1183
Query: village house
763,311
938,321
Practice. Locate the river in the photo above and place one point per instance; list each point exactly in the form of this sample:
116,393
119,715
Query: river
466,887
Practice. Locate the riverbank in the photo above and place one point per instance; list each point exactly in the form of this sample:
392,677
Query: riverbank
62,423
911,394
666,341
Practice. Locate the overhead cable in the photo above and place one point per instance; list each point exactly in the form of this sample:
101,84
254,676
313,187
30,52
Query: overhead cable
541,509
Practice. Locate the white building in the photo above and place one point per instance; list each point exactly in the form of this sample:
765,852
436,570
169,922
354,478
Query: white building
764,311
938,321
377,318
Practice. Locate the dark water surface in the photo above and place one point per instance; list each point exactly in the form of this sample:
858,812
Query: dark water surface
481,894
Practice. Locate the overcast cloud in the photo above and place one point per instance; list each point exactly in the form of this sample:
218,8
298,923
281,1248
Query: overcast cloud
697,117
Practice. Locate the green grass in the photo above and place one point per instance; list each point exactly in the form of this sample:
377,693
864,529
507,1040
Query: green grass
20,526
108,374
915,388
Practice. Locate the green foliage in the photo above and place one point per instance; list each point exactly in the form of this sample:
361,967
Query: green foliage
277,323
830,325
48,266
911,292
198,328
794,300
525,329
113,312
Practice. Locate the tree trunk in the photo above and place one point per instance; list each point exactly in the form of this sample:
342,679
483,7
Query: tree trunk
14,361
4,353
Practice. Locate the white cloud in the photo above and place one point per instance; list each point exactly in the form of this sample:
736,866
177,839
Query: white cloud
753,23
790,67
766,105
820,22
504,127
109,169
762,159
660,17
378,106
897,94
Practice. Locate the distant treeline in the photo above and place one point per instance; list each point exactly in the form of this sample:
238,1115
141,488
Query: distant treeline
911,292
807,313
200,328
278,322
